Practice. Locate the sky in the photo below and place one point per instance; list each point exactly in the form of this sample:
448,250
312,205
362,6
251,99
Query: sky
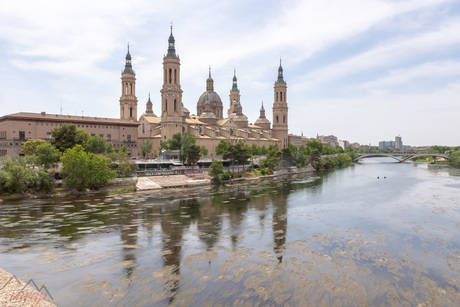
362,70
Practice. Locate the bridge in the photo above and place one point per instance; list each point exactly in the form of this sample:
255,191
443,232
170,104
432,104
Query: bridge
400,157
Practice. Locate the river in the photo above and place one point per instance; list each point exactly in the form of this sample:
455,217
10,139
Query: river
332,238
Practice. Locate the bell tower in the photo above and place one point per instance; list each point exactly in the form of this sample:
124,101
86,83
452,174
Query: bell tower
280,110
171,93
128,100
234,95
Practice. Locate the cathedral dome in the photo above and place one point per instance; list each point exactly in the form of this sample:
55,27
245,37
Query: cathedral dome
212,96
208,115
239,118
262,121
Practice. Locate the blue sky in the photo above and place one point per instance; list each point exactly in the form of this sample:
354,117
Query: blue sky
363,70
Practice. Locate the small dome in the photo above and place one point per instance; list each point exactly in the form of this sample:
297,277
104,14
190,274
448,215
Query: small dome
207,102
184,109
262,121
239,106
207,115
239,118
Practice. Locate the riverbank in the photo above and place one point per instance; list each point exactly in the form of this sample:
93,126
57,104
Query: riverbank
12,296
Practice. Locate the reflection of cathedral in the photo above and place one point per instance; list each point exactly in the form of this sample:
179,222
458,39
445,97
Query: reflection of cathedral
211,123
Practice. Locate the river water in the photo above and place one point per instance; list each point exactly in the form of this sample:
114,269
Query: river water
335,238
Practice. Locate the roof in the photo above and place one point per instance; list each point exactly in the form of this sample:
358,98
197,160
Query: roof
152,119
68,118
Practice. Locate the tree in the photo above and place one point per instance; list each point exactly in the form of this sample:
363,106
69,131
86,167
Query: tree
193,154
95,144
273,155
217,168
315,144
146,147
20,174
226,150
286,156
47,156
64,137
315,157
120,162
340,150
181,142
455,158
82,137
204,151
242,153
328,150
30,146
82,170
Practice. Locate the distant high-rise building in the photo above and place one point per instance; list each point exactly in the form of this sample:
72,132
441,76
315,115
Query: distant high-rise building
398,143
386,144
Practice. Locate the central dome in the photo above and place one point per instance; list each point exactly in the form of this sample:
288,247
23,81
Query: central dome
211,96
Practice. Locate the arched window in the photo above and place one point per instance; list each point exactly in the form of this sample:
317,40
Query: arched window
143,128
175,80
166,104
217,112
284,119
126,89
170,76
281,96
130,112
131,88
175,105
276,118
165,77
277,96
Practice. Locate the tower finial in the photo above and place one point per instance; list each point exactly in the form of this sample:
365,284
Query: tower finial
171,27
209,71
128,47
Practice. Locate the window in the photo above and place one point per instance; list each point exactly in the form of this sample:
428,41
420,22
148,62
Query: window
101,135
170,76
130,88
284,119
48,135
128,138
92,134
47,124
42,124
37,124
276,118
175,104
130,112
276,96
109,137
143,128
22,135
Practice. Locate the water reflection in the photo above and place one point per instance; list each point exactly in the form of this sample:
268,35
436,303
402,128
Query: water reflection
339,237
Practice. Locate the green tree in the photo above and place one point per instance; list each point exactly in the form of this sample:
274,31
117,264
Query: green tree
226,150
242,153
315,157
455,158
186,141
286,156
121,163
109,148
82,137
20,173
146,147
263,150
312,144
95,144
217,168
123,149
328,150
47,156
340,150
193,154
273,156
30,146
64,137
82,170
204,151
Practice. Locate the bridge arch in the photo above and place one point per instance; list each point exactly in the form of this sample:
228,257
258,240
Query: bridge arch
376,155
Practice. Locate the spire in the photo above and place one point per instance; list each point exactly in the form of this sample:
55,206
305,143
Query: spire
262,108
210,82
235,85
280,74
171,46
128,67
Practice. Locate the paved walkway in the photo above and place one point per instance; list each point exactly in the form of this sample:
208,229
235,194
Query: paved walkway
174,181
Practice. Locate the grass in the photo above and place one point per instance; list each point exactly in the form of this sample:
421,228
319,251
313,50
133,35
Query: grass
127,190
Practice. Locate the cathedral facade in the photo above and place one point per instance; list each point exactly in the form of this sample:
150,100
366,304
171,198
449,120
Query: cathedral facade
211,122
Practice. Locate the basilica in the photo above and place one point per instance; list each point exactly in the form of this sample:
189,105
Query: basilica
211,123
